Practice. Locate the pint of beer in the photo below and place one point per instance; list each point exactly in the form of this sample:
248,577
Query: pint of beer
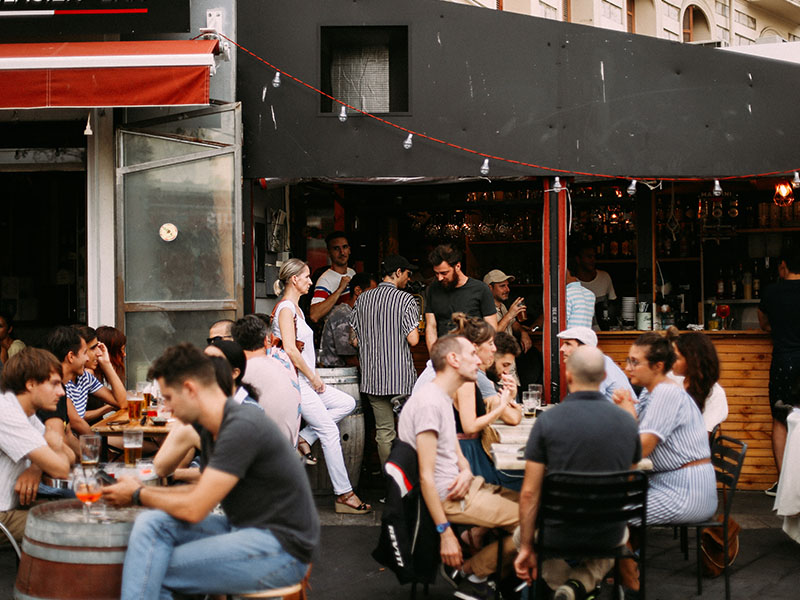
132,443
135,408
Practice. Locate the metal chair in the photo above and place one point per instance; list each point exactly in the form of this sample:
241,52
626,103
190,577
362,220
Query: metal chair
727,456
586,499
11,541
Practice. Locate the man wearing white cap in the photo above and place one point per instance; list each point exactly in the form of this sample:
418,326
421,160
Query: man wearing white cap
575,337
499,282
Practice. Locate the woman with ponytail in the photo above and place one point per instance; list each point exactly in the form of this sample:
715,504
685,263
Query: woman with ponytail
322,406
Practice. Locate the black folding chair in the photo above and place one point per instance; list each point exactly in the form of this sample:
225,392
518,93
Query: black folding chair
727,456
586,499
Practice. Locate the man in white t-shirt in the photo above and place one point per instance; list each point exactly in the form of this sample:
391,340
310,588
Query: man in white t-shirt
333,286
451,492
591,277
31,381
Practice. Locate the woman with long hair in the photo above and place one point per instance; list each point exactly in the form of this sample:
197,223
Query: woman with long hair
696,368
114,341
322,406
683,487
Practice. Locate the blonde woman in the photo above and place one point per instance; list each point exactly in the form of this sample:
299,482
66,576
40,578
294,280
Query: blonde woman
321,406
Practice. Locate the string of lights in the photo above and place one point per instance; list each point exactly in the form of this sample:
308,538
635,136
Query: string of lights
485,165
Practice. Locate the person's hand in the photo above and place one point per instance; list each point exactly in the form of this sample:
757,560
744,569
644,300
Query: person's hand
120,493
27,485
525,341
343,283
517,306
450,549
318,384
103,356
525,565
460,486
508,382
622,398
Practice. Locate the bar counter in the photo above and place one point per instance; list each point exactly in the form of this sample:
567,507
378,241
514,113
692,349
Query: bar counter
744,373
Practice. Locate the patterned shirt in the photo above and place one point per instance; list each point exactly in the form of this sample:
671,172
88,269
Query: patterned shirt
78,391
580,305
382,318
335,343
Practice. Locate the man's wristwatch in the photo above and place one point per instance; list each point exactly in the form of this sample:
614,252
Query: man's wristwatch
442,527
136,501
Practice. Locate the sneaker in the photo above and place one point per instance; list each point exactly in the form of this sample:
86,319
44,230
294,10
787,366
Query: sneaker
450,575
572,590
471,590
772,490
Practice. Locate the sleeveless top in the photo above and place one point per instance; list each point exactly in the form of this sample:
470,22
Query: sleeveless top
304,333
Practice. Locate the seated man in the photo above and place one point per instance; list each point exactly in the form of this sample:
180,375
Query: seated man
31,381
506,351
270,527
582,434
575,337
451,493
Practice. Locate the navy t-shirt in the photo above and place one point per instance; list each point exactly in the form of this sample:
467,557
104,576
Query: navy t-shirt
780,302
474,298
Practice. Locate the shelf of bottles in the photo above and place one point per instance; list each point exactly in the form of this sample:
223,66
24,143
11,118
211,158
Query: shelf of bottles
606,218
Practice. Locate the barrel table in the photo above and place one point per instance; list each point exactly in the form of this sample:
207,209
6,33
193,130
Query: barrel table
65,558
351,430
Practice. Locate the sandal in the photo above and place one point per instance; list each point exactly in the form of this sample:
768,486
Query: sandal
341,506
306,454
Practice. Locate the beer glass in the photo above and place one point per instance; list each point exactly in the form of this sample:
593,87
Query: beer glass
90,450
132,444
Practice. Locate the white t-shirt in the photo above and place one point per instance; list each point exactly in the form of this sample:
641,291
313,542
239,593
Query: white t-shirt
303,333
601,286
19,436
328,283
716,407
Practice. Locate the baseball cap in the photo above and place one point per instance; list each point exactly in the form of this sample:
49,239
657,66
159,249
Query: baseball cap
582,334
496,276
394,261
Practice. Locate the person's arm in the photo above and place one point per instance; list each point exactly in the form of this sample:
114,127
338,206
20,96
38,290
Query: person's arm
529,497
491,320
117,396
91,416
27,484
431,333
191,503
55,458
510,318
78,423
465,404
449,548
318,310
525,340
649,443
286,324
763,321
512,413
180,442
413,337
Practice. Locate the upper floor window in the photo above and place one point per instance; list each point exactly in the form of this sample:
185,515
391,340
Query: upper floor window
745,20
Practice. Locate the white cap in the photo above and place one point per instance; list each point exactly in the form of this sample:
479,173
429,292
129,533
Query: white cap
582,334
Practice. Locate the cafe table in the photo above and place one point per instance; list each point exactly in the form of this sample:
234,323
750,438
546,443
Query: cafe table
117,423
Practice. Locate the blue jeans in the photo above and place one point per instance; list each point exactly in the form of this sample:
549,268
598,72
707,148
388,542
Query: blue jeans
210,557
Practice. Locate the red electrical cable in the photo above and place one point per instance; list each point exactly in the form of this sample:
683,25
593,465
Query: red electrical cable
483,154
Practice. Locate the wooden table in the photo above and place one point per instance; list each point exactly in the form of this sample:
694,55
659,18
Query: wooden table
104,429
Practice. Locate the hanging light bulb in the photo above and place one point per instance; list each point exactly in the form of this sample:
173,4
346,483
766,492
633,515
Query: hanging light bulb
783,194
632,188
485,167
557,187
276,81
717,191
343,114
408,142
796,180
88,130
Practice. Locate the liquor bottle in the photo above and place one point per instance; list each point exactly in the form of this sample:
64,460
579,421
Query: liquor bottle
747,285
732,284
756,280
720,285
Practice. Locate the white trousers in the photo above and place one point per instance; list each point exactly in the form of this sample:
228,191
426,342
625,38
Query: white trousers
321,413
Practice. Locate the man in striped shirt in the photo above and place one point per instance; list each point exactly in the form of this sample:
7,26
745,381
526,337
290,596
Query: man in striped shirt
385,320
580,303
333,286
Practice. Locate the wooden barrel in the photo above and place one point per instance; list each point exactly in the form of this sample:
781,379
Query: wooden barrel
351,430
64,558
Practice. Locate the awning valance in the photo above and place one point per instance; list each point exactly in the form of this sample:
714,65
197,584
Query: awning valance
106,74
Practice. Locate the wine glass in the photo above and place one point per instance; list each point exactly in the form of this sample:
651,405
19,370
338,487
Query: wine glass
723,312
87,488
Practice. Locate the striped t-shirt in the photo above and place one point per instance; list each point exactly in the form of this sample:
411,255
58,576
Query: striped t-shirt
19,436
382,319
78,391
580,305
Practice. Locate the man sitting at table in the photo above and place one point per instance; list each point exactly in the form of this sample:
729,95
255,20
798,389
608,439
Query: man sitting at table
31,381
270,528
450,491
582,434
575,337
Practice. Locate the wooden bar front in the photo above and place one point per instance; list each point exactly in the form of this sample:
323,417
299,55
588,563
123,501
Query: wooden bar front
744,373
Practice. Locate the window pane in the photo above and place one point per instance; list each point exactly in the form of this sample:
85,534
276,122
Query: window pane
139,149
150,333
198,199
360,77
217,127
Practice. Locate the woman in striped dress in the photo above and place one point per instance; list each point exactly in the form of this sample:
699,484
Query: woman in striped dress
683,486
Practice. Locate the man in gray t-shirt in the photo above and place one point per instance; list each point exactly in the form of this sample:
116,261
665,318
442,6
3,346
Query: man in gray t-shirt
270,527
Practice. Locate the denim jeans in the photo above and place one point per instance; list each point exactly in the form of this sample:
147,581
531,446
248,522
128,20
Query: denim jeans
210,557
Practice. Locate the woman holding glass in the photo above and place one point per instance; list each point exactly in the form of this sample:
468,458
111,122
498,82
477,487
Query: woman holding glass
683,487
322,406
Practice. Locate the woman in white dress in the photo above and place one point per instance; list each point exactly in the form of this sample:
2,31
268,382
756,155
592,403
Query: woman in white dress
322,406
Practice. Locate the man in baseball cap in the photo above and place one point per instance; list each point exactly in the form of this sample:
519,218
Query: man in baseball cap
499,282
575,337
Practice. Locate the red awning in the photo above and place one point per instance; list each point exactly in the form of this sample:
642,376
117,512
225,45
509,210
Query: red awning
96,74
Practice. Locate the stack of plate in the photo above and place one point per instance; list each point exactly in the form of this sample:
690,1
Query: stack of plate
628,308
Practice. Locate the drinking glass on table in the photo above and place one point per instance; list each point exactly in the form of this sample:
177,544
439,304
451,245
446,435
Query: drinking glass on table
135,402
90,450
528,404
87,488
132,444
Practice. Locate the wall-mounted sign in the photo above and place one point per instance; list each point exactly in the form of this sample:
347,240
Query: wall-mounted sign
24,17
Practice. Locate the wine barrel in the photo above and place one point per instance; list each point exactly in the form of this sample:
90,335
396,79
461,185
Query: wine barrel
65,558
351,430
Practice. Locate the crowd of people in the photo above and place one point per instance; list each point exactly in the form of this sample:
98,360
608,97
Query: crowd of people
253,403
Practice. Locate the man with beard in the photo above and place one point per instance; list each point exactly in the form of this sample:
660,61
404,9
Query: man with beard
453,292
506,351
